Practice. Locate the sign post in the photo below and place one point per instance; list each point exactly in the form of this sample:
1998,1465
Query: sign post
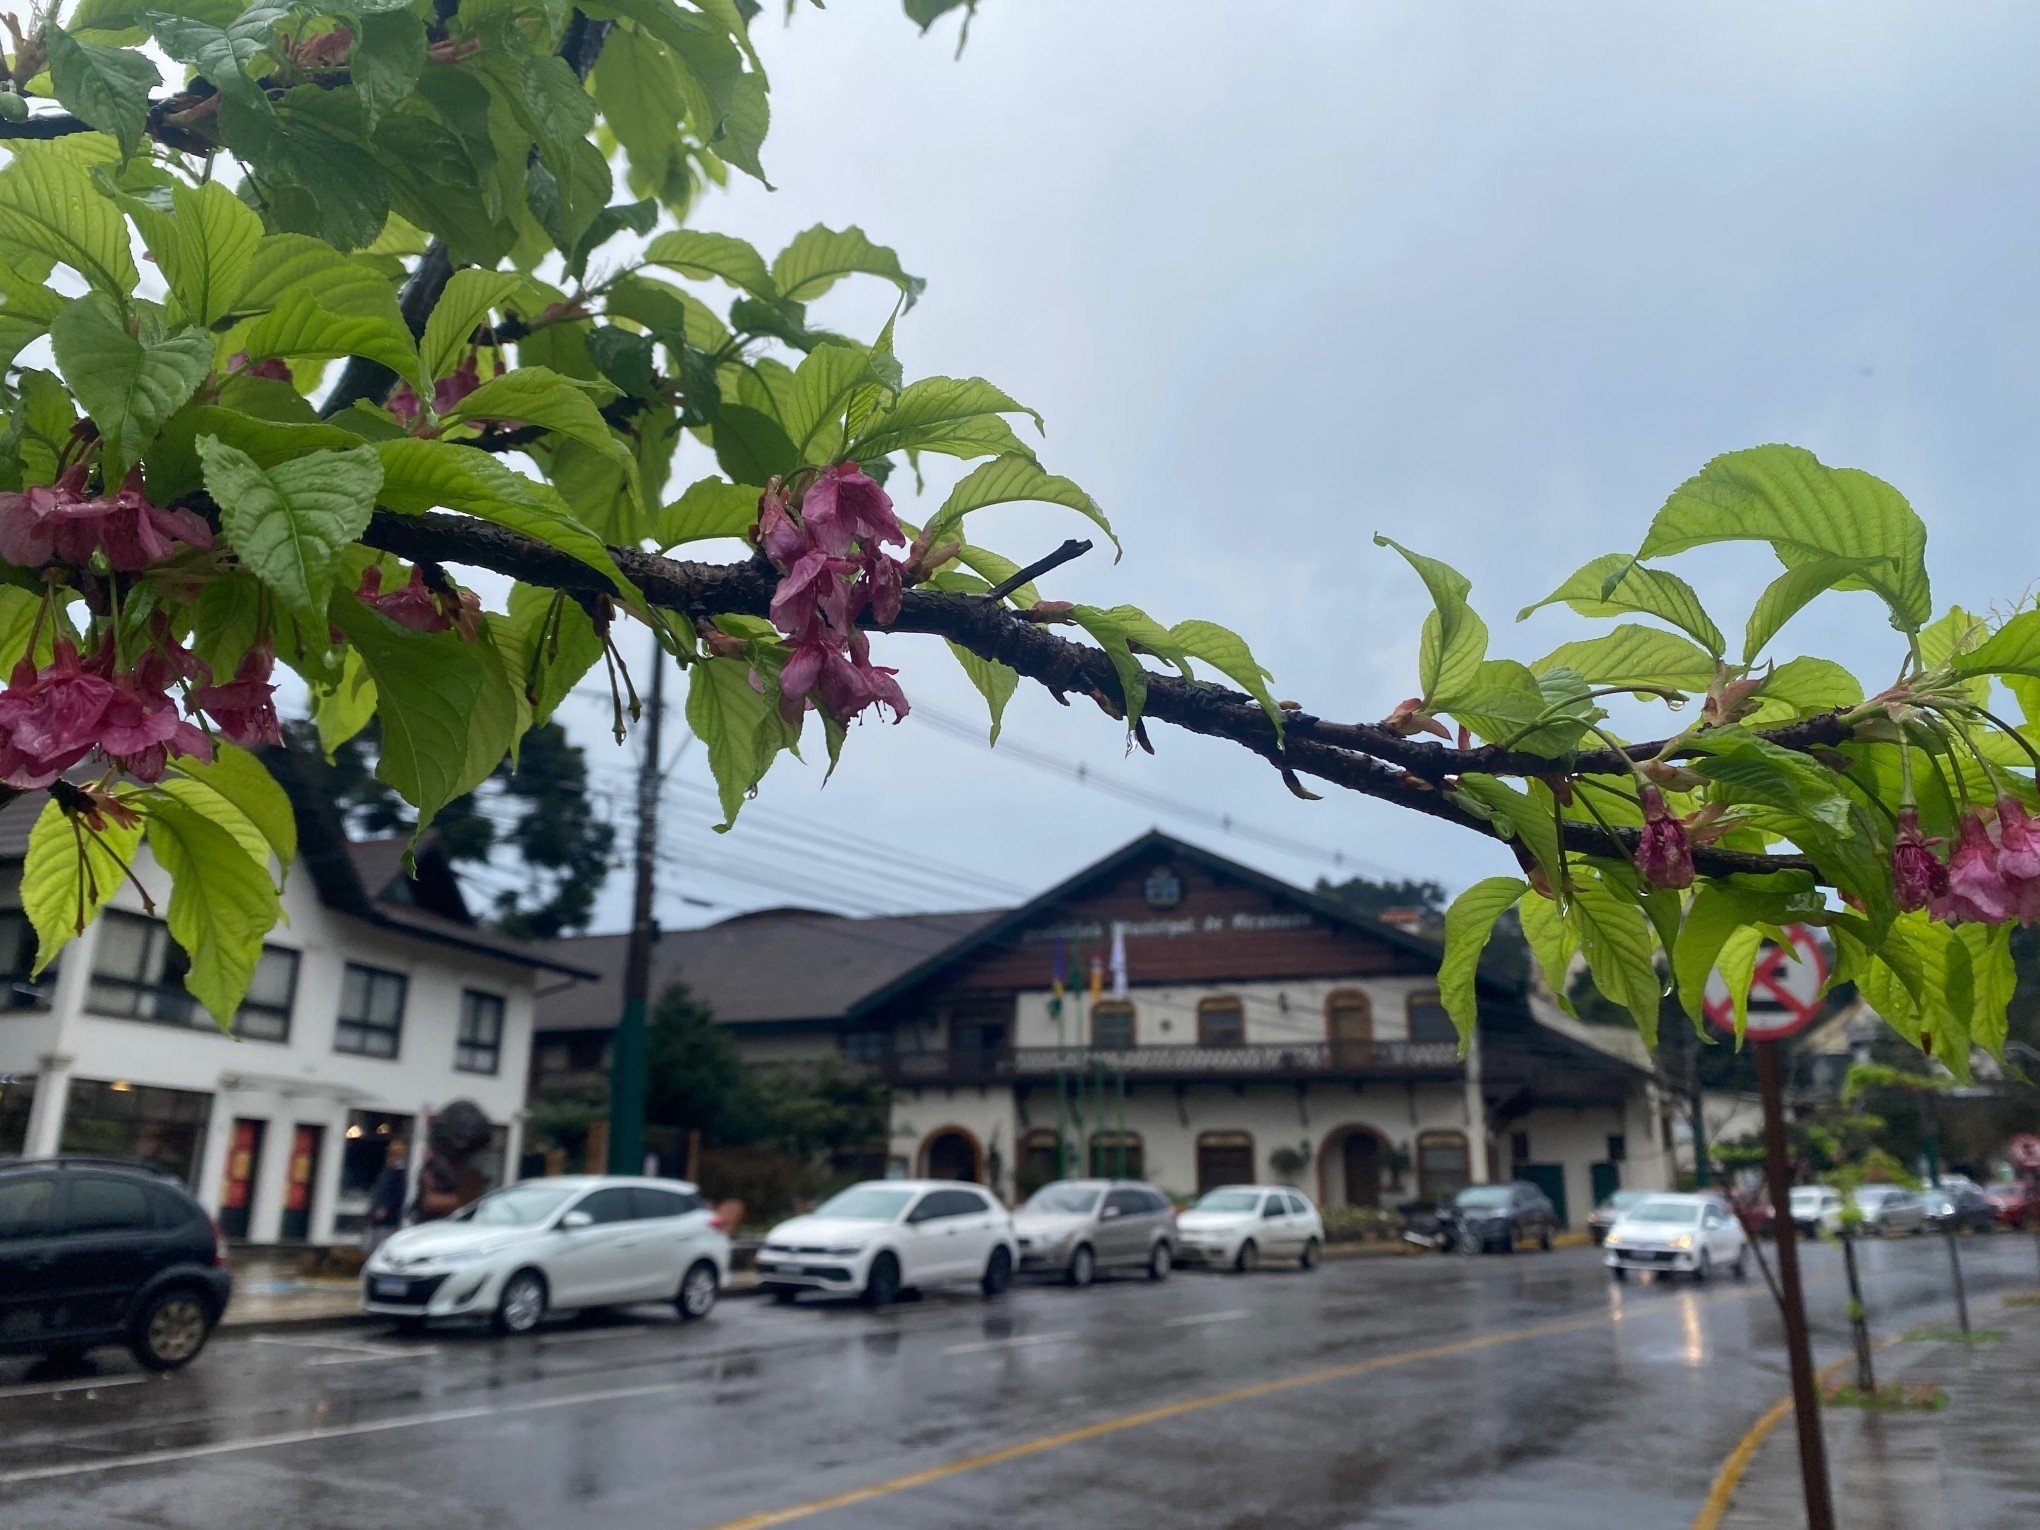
1784,998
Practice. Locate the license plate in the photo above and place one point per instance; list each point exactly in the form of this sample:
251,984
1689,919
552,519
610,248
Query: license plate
391,1285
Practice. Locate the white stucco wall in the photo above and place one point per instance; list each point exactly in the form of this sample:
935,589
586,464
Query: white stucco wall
1287,1011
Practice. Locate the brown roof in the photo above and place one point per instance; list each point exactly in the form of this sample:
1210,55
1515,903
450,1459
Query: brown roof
781,965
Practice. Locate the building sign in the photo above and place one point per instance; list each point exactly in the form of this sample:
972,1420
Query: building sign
1079,930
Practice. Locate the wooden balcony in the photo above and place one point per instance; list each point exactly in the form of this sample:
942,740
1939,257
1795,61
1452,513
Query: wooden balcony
1287,1061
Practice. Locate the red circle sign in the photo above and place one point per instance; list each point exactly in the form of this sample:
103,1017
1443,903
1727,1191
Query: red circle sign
1786,988
2025,1151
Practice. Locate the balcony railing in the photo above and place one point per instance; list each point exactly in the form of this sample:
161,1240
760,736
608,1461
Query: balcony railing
1270,1060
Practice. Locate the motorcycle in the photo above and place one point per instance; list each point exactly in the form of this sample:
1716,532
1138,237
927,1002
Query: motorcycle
1437,1228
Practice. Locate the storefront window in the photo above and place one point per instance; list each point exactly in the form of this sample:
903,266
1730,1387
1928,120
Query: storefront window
17,956
138,974
364,1148
17,1094
161,1127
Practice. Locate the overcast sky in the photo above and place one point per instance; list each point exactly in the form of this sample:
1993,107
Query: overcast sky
1490,279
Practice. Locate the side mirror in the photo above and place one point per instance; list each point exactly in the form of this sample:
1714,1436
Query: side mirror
573,1221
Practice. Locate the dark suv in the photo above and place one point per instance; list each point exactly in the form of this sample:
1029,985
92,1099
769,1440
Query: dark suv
97,1251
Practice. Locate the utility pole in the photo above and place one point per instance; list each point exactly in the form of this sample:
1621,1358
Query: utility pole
627,1053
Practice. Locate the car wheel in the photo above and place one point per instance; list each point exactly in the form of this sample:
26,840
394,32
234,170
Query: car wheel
698,1288
1704,1270
1741,1268
1470,1242
1159,1262
172,1329
1616,1272
522,1303
1247,1259
998,1273
1509,1241
1544,1240
1083,1266
1309,1257
883,1283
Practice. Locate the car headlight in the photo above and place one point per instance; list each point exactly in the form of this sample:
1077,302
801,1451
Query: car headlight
462,1256
1684,1240
1614,1240
845,1250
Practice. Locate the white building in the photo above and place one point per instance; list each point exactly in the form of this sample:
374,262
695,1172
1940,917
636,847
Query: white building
375,1005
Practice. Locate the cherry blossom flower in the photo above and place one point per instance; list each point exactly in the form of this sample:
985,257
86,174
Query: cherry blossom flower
244,708
1918,876
50,718
447,393
815,592
1409,717
844,505
1664,855
420,606
275,368
1977,890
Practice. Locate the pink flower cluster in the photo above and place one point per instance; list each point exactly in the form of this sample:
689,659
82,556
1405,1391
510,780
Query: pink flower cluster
53,717
62,523
1664,849
423,604
831,554
1993,875
446,393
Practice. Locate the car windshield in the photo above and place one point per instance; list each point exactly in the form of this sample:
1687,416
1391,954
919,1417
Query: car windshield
1870,1195
1482,1195
1622,1200
866,1203
1807,1199
1063,1200
1229,1200
519,1205
1664,1211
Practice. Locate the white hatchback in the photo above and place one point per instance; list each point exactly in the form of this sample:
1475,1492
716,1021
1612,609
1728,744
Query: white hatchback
1678,1235
551,1244
884,1236
1237,1226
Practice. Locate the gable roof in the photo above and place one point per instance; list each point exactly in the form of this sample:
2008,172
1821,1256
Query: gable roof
782,967
1008,926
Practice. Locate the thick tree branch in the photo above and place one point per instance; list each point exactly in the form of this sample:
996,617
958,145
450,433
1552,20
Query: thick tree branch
994,631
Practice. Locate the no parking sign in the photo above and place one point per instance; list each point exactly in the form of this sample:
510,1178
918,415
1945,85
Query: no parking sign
1785,988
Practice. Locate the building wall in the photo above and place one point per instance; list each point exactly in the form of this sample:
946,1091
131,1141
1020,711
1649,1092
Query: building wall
1290,1010
301,1081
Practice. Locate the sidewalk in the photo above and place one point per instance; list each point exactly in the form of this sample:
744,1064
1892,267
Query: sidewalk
1972,1464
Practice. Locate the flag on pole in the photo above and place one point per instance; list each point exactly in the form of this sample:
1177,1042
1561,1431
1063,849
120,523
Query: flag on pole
1058,975
1118,959
1097,976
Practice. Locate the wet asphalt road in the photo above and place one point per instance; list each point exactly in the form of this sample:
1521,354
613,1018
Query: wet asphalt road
1400,1393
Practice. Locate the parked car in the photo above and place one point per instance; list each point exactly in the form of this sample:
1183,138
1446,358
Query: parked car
884,1236
1961,1207
1077,1227
1237,1226
1889,1210
1678,1234
1503,1218
551,1245
1816,1210
1605,1215
97,1251
2017,1202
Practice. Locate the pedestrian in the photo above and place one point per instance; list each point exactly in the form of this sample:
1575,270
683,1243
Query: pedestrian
439,1189
386,1197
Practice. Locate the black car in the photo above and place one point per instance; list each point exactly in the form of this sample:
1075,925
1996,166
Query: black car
1959,1207
1502,1217
98,1251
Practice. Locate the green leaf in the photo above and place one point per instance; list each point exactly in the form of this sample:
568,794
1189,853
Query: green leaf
751,446
448,709
1788,594
222,52
423,475
1226,651
243,785
709,508
221,901
68,876
50,205
1616,941
1715,914
1544,714
740,726
828,379
1454,638
463,308
552,644
1808,512
704,255
386,60
1801,687
106,87
956,416
1737,962
289,523
1748,769
1615,584
300,328
2014,649
1633,655
204,244
1113,631
994,681
311,158
128,387
1008,480
1552,942
820,257
1468,924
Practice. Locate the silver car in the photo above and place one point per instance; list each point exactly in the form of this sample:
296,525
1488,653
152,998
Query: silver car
1076,1227
1890,1210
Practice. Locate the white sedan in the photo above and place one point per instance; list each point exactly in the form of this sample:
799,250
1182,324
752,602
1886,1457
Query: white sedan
1678,1234
551,1244
1237,1226
884,1236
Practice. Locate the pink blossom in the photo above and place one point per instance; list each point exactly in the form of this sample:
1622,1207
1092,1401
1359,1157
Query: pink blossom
244,709
880,586
137,533
420,606
844,505
816,590
447,392
61,523
1410,717
780,537
50,718
1977,889
1917,875
142,728
275,368
1664,856
32,519
2018,840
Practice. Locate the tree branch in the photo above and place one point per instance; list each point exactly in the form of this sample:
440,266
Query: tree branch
1070,550
994,631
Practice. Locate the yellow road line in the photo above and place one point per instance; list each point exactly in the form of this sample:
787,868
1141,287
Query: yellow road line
1034,1447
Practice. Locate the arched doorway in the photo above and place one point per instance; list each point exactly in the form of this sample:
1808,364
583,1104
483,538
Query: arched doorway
950,1152
1353,1167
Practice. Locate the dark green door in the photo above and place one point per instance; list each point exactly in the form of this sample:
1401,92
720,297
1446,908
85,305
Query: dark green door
1550,1178
1606,1180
